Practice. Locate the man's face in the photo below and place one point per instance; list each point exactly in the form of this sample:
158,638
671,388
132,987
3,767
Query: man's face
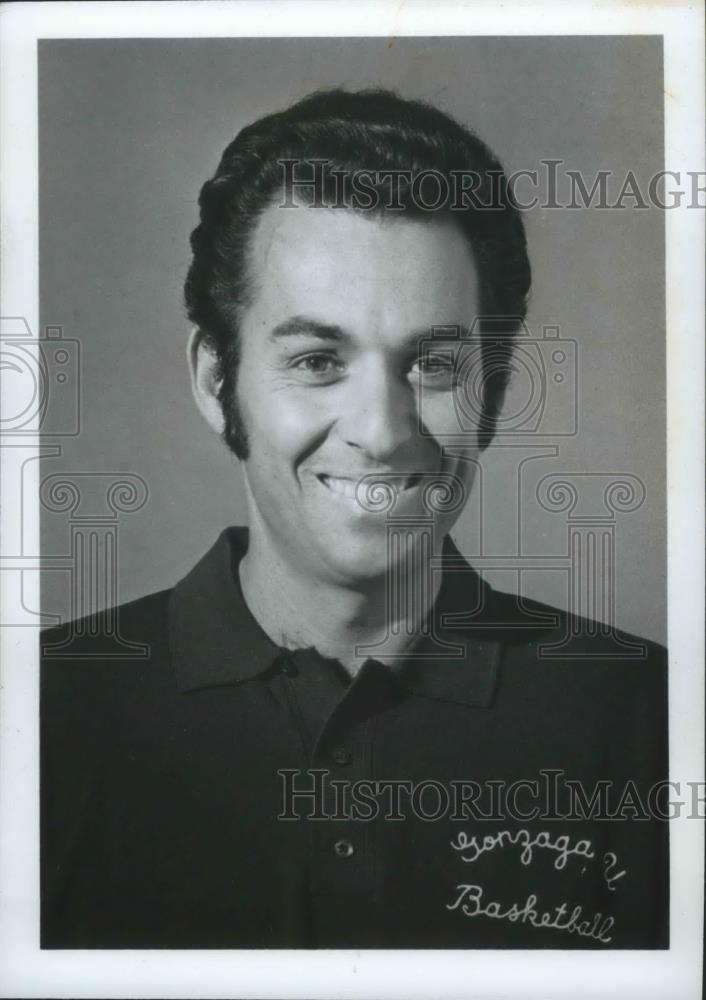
330,384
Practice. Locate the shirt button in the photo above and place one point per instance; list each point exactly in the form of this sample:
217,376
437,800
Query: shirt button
288,668
344,849
341,756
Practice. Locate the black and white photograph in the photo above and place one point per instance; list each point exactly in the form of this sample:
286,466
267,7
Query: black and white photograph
354,457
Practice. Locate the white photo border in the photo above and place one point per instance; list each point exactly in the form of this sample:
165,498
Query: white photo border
27,971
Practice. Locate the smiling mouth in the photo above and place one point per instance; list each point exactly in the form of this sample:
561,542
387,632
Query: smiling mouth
347,487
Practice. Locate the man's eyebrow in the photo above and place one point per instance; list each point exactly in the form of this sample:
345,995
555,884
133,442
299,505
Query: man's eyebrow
306,326
439,335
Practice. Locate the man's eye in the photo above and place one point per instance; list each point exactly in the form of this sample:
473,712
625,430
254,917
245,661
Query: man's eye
318,365
433,368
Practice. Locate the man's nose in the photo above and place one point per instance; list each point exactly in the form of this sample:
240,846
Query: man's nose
381,414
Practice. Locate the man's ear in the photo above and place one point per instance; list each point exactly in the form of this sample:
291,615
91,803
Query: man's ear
205,384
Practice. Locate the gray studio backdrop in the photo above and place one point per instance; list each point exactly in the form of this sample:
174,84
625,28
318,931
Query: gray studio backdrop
129,129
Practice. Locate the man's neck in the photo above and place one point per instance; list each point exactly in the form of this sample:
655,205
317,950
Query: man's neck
297,610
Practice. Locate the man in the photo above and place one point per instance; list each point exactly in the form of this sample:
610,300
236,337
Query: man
341,736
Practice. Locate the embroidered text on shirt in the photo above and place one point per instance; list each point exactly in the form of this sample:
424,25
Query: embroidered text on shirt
469,900
473,849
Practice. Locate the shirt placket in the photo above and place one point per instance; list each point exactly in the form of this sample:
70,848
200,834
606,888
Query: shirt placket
339,719
342,844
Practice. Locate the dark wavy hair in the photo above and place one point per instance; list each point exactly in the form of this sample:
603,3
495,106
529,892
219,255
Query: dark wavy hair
368,130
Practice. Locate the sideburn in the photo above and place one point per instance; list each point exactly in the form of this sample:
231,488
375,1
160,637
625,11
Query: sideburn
234,432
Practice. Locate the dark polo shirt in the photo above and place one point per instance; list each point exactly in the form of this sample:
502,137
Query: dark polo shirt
491,791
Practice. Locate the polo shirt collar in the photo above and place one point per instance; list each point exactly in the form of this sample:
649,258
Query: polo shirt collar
460,660
215,640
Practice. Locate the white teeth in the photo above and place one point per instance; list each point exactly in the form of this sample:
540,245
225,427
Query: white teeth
346,487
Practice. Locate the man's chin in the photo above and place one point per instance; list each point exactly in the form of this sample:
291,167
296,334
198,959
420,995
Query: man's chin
364,565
